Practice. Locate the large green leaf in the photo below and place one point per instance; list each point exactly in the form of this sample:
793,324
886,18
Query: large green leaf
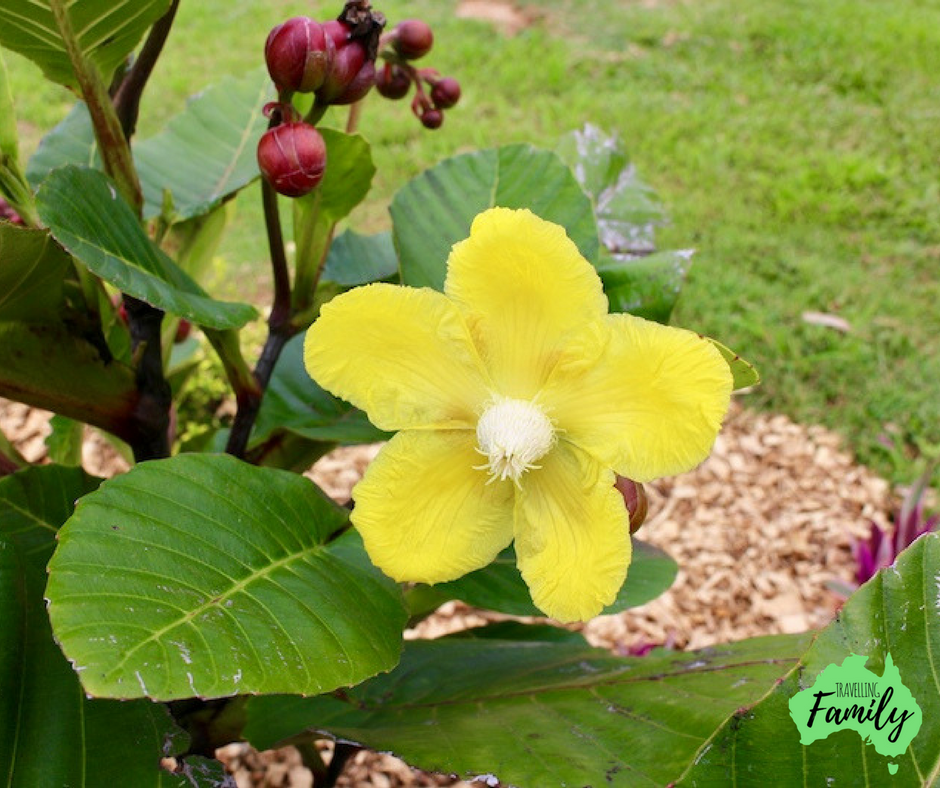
896,613
207,152
356,259
500,587
87,216
434,211
72,141
295,404
205,576
536,714
106,32
32,267
50,734
47,366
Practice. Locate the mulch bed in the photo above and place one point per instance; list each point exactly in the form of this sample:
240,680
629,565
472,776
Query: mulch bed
757,531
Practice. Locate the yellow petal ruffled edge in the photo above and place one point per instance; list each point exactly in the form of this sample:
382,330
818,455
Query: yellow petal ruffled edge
572,535
651,404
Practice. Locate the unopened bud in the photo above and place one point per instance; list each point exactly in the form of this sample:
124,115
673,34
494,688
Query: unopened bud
392,82
432,118
349,56
445,93
634,496
292,158
413,39
298,55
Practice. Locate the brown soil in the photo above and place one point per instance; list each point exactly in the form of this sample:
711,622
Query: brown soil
757,530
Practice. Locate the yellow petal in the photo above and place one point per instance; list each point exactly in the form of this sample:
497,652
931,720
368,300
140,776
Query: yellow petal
650,405
572,535
402,355
522,285
425,514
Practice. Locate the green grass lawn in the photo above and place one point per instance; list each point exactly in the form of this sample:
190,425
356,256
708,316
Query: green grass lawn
795,144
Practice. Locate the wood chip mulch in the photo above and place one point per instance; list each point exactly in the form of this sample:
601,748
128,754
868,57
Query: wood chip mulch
757,530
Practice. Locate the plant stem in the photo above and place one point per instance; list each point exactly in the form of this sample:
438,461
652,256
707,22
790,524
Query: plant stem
152,414
280,328
341,754
112,144
127,98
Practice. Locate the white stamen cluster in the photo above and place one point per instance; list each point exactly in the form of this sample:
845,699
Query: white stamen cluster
513,434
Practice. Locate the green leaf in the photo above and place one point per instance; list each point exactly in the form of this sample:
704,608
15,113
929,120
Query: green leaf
356,259
202,575
46,366
32,267
539,713
500,587
896,613
207,152
72,141
645,286
346,180
106,32
50,734
87,216
628,211
434,211
743,372
65,441
295,404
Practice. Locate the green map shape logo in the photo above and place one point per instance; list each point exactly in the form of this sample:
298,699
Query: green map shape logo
879,708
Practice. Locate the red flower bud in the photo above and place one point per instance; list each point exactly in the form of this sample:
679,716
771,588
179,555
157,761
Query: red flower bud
349,56
634,496
445,93
361,84
392,82
292,158
298,55
183,330
432,118
413,40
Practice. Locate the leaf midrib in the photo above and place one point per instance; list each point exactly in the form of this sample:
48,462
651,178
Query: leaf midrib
215,601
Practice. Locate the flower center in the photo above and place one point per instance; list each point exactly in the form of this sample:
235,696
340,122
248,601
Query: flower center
513,434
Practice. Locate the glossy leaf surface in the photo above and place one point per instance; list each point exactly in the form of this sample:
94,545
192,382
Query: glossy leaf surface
535,714
88,217
202,575
50,733
896,613
106,32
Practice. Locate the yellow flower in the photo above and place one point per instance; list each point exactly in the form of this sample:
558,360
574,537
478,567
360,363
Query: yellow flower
517,398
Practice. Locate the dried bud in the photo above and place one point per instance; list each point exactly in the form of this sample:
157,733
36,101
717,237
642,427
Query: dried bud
445,93
432,118
292,158
634,496
298,55
413,39
392,82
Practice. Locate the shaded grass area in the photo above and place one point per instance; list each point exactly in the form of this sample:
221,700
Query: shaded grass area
794,144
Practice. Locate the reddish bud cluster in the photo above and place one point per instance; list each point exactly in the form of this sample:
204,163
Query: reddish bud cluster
304,56
410,40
